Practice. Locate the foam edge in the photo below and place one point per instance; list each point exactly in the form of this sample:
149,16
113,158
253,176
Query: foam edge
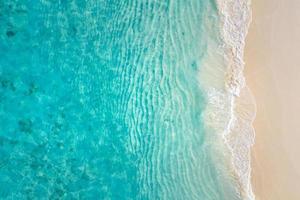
235,18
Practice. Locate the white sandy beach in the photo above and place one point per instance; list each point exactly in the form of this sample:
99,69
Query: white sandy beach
273,73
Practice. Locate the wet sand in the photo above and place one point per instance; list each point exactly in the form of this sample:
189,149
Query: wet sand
272,71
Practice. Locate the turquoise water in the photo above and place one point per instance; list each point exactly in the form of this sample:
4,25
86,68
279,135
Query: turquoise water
100,99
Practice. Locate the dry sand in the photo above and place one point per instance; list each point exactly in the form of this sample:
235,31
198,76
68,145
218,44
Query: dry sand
273,74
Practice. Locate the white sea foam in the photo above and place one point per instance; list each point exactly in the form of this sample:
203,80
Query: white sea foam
231,108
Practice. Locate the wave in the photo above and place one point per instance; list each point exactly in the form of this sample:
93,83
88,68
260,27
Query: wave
231,108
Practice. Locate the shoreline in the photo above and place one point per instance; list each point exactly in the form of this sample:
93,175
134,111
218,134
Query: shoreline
231,107
273,74
239,136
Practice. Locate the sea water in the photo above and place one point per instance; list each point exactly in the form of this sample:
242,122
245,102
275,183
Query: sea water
110,99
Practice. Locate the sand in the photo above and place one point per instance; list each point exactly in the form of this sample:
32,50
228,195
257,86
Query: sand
272,71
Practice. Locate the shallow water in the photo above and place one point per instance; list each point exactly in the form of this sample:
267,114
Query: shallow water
101,100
